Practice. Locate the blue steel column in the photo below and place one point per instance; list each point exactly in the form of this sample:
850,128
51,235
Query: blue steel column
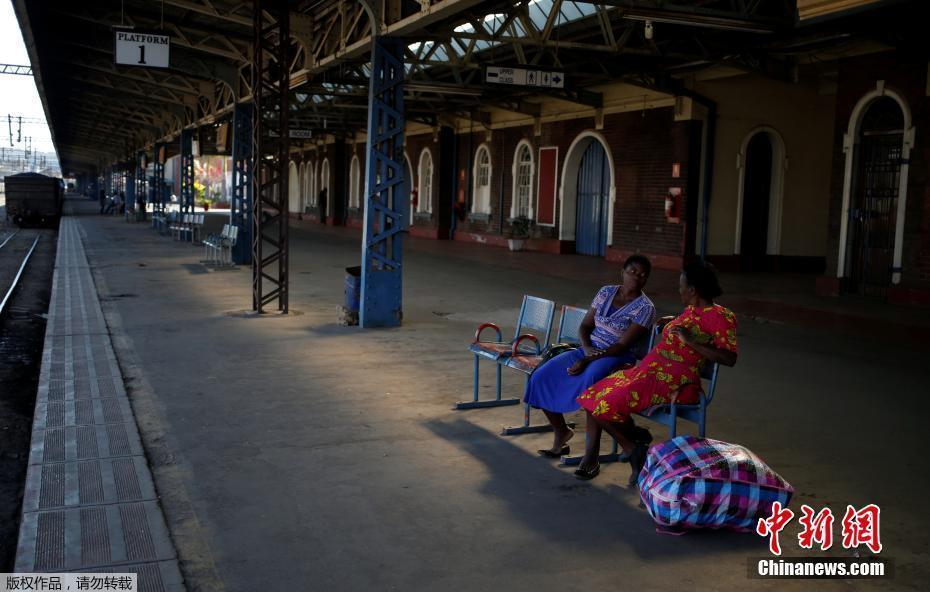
142,186
241,212
158,179
187,171
387,191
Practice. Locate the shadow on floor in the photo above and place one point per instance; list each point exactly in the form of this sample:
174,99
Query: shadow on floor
548,499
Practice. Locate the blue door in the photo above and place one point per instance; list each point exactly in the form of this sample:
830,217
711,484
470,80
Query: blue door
592,204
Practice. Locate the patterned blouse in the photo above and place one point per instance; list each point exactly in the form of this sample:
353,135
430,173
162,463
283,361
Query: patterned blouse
609,325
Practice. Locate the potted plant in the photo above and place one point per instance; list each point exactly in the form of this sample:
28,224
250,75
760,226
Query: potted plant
520,228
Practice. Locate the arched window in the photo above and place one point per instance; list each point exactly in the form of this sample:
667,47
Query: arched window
302,186
324,184
308,185
313,184
481,204
293,188
425,187
355,177
411,180
522,182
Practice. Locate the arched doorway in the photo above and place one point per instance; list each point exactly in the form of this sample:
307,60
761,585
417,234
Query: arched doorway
593,201
757,196
873,207
762,163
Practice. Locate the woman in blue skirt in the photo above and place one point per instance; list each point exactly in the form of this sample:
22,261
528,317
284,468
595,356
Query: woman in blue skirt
620,318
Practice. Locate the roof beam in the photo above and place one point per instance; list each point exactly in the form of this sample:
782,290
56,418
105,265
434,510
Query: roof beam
209,9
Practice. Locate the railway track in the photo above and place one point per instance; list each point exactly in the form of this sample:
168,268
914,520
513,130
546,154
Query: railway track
15,251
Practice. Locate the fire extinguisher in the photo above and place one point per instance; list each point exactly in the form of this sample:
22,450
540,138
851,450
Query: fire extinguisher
413,199
673,204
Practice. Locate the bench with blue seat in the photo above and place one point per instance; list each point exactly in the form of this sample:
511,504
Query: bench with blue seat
217,248
191,232
180,226
165,222
525,362
532,334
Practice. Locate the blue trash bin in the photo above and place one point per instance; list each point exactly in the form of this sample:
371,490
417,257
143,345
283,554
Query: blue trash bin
353,288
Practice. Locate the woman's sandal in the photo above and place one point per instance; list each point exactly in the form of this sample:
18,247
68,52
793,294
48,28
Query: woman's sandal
546,452
637,462
588,474
642,435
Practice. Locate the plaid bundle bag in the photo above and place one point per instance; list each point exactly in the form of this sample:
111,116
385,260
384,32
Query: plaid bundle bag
691,482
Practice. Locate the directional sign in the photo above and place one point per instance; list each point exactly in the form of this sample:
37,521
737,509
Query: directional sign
300,134
524,77
135,48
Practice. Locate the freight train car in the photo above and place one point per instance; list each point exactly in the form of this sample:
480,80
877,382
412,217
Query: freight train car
33,199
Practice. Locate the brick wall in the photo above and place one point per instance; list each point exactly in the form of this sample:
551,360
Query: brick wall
643,146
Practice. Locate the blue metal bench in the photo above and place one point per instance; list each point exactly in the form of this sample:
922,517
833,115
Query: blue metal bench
536,314
191,232
569,326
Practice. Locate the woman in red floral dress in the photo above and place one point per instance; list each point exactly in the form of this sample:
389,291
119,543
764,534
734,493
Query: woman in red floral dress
704,332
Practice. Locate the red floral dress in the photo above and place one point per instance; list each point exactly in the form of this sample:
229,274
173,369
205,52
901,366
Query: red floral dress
670,369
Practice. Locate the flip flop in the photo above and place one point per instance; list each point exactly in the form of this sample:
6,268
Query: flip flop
549,454
588,474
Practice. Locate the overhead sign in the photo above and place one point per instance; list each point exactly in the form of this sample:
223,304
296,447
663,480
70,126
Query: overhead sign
524,77
135,48
300,134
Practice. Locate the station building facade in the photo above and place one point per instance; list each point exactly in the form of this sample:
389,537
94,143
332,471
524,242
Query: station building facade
825,172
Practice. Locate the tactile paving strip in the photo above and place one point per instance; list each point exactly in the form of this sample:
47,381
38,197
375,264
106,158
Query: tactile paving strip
90,503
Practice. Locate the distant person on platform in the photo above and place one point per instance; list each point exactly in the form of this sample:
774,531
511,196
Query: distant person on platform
103,201
140,206
121,203
111,205
321,204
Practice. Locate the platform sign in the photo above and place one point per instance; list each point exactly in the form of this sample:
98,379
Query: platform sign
137,48
524,77
300,134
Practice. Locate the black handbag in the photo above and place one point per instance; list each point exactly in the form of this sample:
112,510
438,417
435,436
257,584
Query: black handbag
556,349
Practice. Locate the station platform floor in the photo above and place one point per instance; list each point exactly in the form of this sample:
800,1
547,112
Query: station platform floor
292,453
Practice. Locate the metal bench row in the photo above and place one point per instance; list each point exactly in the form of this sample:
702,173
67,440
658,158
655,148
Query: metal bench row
527,351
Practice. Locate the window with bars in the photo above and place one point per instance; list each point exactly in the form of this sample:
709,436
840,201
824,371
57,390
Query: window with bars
324,184
523,183
482,198
425,187
355,189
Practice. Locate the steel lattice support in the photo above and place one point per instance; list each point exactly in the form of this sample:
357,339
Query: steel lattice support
158,179
270,94
241,212
386,209
187,171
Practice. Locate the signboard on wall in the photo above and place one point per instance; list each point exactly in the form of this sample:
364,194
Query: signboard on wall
137,48
548,173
